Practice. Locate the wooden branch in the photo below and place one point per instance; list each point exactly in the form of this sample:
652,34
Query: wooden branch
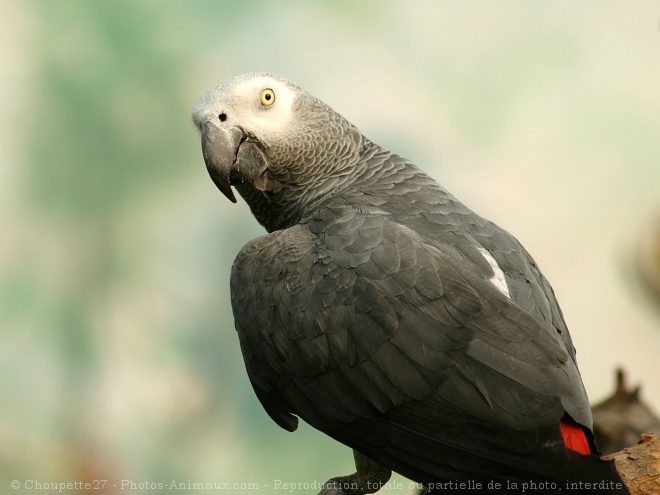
639,466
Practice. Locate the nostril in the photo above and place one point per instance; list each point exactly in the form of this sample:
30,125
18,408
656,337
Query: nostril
222,117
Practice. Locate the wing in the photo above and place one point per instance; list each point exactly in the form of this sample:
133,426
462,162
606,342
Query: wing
357,323
410,197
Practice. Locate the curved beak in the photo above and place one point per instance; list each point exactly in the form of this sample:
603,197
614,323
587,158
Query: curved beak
220,148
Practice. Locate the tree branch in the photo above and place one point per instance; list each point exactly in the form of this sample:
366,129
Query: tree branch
639,466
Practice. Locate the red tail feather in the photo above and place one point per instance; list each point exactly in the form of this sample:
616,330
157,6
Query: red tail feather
574,436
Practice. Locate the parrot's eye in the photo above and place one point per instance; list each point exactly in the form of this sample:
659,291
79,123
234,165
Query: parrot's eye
267,97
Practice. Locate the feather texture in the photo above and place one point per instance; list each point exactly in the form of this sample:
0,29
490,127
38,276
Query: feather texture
385,313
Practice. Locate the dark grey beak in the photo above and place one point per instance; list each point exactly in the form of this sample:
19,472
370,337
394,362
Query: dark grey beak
220,148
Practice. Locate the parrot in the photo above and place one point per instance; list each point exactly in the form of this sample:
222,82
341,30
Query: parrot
386,314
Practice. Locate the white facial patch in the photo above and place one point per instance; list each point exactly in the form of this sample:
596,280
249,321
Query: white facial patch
498,279
255,117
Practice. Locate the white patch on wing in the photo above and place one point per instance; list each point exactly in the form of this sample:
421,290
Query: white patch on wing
498,279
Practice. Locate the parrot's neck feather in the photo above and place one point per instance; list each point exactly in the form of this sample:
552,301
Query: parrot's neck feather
371,168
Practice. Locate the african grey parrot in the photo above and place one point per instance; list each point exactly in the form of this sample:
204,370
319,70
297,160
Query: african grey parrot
385,313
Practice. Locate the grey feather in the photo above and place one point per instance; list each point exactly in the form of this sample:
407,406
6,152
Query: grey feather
368,309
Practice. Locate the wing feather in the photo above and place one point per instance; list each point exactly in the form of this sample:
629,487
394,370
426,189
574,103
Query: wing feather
364,320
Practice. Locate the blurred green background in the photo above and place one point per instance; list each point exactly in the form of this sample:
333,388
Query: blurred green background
118,356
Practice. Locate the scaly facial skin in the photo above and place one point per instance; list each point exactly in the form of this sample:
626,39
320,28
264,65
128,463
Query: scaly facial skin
277,145
237,112
260,106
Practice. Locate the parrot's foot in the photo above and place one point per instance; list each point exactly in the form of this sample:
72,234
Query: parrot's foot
369,478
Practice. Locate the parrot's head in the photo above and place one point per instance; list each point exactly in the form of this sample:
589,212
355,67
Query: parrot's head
272,141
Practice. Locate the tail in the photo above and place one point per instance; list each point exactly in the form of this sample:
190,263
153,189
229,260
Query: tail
575,437
585,473
602,475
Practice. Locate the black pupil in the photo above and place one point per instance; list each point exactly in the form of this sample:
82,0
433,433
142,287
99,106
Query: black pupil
268,96
222,117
